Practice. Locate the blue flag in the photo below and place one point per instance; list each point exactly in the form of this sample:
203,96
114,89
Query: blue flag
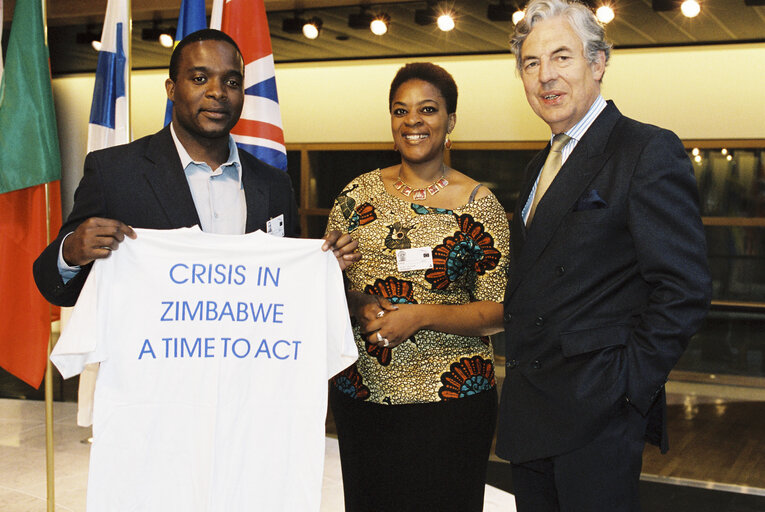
191,19
108,124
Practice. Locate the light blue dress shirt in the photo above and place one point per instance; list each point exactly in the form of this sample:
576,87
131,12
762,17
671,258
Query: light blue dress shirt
218,197
576,133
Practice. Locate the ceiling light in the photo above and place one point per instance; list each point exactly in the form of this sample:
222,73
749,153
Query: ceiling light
729,158
312,28
605,14
724,151
360,20
379,25
690,8
293,25
445,22
500,11
518,16
158,33
166,40
425,16
664,5
91,37
695,151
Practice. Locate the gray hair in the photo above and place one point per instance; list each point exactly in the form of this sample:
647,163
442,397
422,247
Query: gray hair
582,20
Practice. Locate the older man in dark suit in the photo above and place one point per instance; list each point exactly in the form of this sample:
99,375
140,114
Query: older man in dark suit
608,278
189,173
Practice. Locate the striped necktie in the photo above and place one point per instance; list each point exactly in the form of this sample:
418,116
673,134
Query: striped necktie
549,171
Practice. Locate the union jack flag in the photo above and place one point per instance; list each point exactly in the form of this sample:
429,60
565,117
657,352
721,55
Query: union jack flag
259,130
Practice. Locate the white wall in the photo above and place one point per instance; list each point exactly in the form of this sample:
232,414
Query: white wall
699,92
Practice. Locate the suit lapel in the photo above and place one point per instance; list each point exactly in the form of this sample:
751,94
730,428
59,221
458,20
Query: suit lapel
587,159
168,181
256,193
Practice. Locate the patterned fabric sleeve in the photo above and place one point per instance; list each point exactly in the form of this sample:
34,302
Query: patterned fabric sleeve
491,284
336,218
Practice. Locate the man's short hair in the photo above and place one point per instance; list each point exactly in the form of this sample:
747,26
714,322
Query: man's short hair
434,74
582,20
206,34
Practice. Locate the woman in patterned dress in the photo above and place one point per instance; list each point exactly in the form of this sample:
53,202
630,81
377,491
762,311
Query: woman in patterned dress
416,414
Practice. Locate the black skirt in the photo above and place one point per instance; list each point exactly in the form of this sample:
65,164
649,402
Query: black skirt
418,457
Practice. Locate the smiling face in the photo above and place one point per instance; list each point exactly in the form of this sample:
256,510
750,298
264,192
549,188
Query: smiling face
208,92
419,121
560,84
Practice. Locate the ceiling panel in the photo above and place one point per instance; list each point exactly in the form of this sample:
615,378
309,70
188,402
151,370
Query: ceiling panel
636,25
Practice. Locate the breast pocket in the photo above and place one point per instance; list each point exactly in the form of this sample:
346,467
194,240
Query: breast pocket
590,216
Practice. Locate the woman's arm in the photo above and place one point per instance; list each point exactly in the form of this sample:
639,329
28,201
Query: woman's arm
398,323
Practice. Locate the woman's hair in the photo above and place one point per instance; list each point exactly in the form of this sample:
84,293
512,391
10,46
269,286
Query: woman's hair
582,20
435,75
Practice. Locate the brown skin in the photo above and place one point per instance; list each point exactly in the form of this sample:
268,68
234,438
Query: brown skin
208,97
420,123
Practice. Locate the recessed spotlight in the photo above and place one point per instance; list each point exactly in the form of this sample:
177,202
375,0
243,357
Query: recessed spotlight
605,14
518,16
695,151
500,11
724,151
379,25
96,45
445,22
166,40
312,27
690,8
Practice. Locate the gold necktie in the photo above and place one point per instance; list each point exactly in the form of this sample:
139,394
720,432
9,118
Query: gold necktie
549,171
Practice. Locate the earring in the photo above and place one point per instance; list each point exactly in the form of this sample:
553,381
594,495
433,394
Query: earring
448,142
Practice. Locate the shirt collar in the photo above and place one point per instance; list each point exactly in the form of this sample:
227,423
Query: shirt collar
186,160
577,131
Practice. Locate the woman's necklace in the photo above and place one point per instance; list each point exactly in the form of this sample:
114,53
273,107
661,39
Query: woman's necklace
419,194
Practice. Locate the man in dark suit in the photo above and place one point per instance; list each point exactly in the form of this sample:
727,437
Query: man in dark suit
608,278
189,173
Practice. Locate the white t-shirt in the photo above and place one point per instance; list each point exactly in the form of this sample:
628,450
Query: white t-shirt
215,352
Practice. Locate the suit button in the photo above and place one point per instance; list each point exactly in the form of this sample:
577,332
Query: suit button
508,317
512,363
539,321
536,365
560,270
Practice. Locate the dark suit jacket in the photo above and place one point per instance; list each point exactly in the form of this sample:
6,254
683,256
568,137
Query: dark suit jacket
143,185
606,287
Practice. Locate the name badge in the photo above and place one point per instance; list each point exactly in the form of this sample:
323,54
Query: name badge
275,226
418,258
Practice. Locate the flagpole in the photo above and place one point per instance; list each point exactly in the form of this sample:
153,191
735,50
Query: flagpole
128,85
49,446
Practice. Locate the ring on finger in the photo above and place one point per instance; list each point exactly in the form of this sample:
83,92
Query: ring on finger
386,342
379,337
380,313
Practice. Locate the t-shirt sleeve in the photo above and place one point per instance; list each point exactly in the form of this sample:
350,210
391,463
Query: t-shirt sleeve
490,284
78,344
341,347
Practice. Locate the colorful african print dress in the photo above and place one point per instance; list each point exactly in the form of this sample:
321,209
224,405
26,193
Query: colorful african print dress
469,246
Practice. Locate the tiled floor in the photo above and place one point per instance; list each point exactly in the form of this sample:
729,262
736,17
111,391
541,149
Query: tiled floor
732,415
23,475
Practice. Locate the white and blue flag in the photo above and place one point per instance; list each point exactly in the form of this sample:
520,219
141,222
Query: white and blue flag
108,124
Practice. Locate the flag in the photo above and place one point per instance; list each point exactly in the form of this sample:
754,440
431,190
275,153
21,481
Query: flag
108,124
259,130
191,19
29,157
